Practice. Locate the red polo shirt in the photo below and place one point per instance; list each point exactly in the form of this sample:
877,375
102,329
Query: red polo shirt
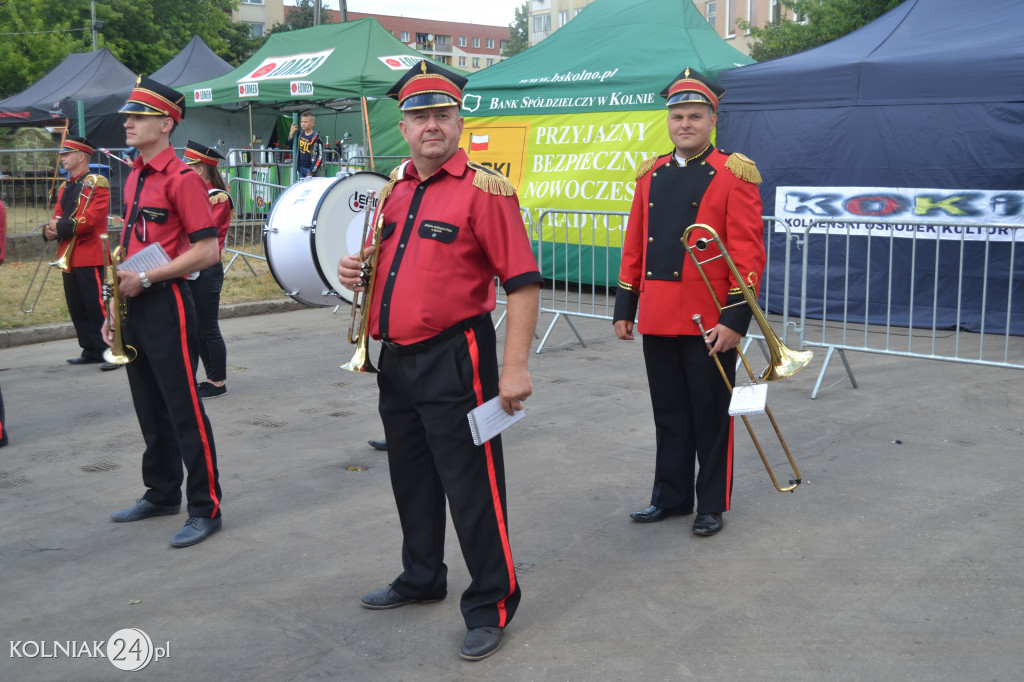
166,202
444,241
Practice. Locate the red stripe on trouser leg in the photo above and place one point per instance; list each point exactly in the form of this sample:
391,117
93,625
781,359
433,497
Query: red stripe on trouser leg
196,410
728,466
474,354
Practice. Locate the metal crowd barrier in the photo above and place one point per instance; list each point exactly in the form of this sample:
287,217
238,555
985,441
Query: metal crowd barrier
570,249
253,201
923,293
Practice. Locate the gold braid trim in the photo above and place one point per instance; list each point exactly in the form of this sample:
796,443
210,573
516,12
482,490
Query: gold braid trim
645,166
628,287
743,168
491,181
218,198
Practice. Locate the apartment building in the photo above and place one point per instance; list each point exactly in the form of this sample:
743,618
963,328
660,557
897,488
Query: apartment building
468,46
547,16
260,15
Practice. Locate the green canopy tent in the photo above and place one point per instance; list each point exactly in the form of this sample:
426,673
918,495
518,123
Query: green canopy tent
336,68
569,120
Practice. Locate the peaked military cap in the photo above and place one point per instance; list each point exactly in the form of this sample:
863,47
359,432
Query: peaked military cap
692,86
428,85
150,98
74,143
197,153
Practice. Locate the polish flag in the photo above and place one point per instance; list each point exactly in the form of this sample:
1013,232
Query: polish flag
478,143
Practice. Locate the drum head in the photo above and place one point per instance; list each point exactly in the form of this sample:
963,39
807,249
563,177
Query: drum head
340,220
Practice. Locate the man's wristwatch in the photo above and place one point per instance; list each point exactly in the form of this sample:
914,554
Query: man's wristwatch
145,280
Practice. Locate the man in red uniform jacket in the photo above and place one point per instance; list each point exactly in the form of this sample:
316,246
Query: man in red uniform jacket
448,228
695,183
79,221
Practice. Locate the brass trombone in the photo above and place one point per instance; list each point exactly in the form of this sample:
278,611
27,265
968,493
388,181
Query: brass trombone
119,353
359,325
784,361
43,257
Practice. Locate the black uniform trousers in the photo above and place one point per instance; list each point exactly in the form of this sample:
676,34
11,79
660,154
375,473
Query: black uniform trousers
83,291
206,295
161,325
424,398
3,422
691,420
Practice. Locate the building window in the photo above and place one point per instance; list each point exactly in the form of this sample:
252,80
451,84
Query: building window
476,42
405,36
751,15
490,43
255,28
490,61
542,23
503,44
774,12
563,18
462,61
252,2
730,18
476,62
710,9
462,41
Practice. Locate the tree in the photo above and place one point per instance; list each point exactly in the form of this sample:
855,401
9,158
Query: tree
144,34
301,16
519,30
826,20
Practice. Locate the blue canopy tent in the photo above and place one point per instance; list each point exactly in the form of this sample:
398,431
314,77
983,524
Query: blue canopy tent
930,95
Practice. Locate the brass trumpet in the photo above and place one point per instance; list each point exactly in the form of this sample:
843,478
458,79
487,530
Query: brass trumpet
359,325
119,353
784,361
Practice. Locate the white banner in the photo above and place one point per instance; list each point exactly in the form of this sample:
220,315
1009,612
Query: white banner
901,212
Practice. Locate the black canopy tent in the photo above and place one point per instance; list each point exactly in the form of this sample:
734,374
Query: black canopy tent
930,95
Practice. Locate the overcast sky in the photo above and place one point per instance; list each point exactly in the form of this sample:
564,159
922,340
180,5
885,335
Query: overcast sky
490,12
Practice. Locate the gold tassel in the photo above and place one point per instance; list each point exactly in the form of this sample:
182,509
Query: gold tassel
385,192
645,166
218,198
743,168
491,181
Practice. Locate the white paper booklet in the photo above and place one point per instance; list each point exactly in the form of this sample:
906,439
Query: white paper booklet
153,256
749,399
488,420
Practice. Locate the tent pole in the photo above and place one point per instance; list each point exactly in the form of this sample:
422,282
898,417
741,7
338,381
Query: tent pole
369,142
252,139
81,118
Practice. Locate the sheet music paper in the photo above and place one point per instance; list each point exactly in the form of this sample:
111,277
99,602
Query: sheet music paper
488,420
749,399
153,256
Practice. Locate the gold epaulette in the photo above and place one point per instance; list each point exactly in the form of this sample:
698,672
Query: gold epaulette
96,180
491,181
743,168
219,197
645,166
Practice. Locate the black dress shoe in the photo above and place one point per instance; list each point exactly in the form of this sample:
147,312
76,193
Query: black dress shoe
378,444
107,366
387,598
196,529
144,509
707,524
481,642
82,360
652,514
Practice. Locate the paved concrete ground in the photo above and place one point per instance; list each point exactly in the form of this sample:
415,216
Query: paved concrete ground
899,558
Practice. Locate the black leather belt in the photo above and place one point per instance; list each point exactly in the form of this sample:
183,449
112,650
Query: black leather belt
434,341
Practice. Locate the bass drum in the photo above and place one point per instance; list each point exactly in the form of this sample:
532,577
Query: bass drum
313,224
